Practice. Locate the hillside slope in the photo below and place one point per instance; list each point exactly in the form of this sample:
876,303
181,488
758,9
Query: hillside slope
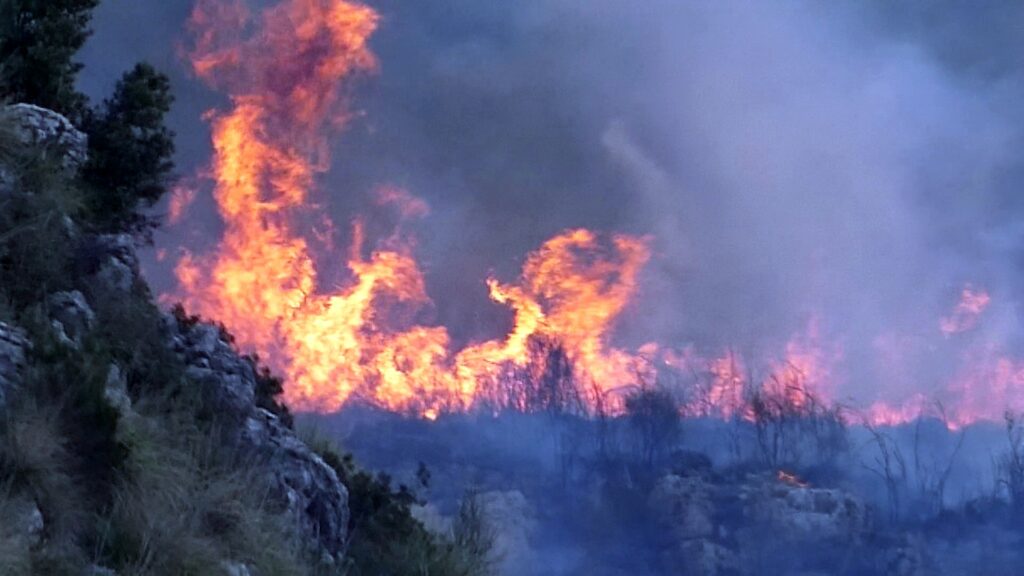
137,441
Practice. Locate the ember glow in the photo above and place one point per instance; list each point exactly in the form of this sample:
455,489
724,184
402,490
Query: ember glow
286,70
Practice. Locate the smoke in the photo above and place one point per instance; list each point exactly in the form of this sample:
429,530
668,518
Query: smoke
792,161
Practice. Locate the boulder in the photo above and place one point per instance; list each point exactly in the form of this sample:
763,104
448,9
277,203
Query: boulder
299,479
42,127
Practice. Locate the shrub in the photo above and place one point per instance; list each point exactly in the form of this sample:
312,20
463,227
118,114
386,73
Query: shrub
384,537
796,430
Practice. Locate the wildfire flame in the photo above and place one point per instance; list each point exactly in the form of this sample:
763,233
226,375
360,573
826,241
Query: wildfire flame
285,80
286,70
791,479
973,303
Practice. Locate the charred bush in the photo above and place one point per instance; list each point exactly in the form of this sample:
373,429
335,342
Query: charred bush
794,429
655,421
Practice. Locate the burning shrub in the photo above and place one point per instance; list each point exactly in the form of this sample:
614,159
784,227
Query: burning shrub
791,423
546,383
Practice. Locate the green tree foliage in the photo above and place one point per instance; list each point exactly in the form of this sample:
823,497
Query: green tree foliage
130,150
38,39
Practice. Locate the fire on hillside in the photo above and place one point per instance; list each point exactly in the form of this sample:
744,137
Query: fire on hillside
286,70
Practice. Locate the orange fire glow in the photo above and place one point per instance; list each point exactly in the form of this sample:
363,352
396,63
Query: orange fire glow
286,70
284,80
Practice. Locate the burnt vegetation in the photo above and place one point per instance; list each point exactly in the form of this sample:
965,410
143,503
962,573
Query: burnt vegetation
788,482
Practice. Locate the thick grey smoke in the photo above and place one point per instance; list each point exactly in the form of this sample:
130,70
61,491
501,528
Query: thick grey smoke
858,161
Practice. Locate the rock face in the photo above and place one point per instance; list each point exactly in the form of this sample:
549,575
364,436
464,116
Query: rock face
300,480
108,264
43,127
13,346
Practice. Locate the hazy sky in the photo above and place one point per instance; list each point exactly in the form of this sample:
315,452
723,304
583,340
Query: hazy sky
861,160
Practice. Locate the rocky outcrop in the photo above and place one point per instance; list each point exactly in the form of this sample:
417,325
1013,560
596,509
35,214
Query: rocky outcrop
295,476
13,347
106,268
46,128
715,527
806,513
39,128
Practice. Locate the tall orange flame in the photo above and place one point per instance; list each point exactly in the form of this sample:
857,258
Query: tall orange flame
286,70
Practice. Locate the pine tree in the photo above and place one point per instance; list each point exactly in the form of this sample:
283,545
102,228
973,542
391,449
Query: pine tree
130,150
38,39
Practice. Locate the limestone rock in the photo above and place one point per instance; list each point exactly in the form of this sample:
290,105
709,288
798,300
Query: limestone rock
42,127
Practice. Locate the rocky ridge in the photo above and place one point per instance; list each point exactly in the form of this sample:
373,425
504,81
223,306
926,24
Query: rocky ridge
291,473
